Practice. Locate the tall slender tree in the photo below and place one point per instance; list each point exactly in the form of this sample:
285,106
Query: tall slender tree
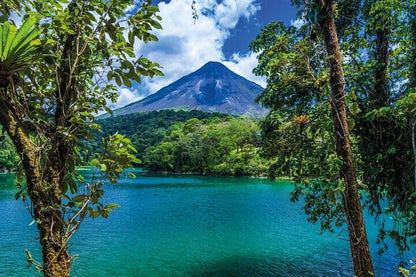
305,77
360,251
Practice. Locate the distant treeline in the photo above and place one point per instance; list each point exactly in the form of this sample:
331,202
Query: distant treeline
177,141
189,141
145,129
8,155
218,146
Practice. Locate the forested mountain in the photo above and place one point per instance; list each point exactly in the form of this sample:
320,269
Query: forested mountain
145,129
212,88
194,141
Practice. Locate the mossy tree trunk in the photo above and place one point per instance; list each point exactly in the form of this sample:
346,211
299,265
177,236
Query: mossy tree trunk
44,194
45,172
358,238
56,259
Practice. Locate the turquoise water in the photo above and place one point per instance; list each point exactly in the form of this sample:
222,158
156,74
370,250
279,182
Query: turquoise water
190,226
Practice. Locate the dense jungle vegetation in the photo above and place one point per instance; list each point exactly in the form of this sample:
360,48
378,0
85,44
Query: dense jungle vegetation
190,142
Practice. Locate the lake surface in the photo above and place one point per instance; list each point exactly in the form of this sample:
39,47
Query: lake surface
191,226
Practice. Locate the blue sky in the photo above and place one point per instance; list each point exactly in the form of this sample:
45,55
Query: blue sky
246,30
222,33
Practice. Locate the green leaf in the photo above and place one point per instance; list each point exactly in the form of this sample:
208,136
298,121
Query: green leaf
9,32
111,206
126,81
79,198
107,109
118,80
73,187
25,34
131,175
1,41
94,162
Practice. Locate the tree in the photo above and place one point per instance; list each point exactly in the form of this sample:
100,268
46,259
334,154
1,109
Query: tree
56,72
358,237
304,77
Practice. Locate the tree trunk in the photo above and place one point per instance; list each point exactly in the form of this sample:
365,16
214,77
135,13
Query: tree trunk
45,196
56,259
358,238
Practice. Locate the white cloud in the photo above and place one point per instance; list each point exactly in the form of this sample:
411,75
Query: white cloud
185,45
228,12
126,97
298,22
243,65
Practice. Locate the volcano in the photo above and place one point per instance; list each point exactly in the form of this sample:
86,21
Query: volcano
212,88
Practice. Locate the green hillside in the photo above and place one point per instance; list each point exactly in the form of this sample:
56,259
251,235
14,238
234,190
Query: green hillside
146,129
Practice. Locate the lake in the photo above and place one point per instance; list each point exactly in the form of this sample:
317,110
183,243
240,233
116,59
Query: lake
191,226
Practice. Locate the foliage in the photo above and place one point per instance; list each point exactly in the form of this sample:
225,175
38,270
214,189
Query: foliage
297,61
7,7
109,165
408,272
17,47
220,146
380,71
145,129
298,132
